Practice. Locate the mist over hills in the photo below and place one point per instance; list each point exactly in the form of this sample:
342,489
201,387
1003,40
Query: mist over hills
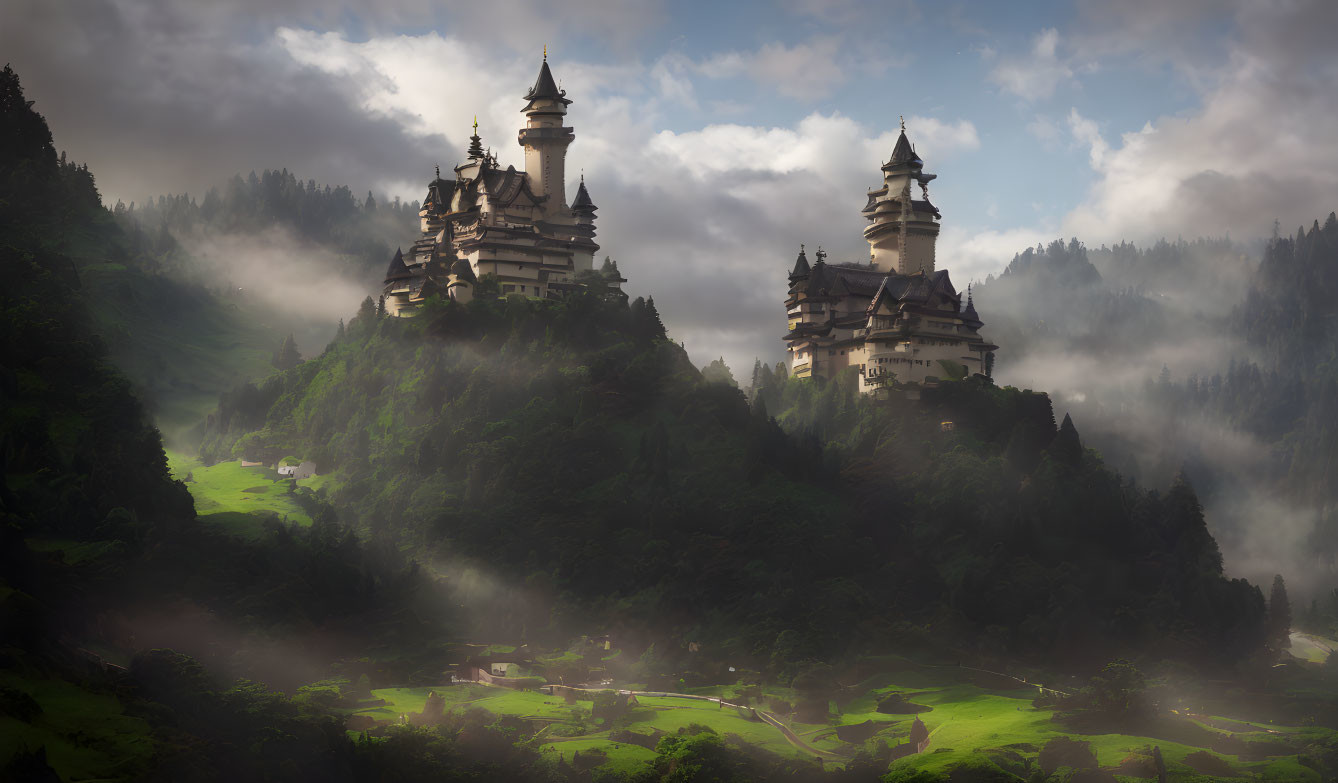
1196,355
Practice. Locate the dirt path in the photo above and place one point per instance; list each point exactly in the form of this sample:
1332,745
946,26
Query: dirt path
765,717
1310,648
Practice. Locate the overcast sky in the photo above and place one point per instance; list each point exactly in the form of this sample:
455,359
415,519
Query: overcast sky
715,137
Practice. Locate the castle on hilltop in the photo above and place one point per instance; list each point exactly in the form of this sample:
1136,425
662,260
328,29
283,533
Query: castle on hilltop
515,225
896,318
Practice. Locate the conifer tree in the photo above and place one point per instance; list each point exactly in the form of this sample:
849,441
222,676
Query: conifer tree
1279,615
380,308
718,372
1187,531
756,383
653,318
1067,447
286,357
366,313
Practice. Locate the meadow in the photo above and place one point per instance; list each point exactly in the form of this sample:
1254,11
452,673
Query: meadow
967,724
240,498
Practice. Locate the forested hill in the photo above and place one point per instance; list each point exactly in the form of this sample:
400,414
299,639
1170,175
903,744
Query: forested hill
1205,356
570,449
362,233
100,550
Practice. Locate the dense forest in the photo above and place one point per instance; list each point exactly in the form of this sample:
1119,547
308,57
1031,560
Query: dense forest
362,234
1196,357
571,445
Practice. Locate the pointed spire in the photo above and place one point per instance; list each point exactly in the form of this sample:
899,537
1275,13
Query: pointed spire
475,143
582,201
545,86
903,152
801,268
970,311
397,269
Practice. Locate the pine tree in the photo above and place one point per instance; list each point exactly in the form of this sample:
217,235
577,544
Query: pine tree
718,372
366,314
339,333
755,385
653,318
381,308
1279,615
1187,533
286,357
1067,447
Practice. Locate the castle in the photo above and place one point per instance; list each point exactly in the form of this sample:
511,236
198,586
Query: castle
515,225
896,318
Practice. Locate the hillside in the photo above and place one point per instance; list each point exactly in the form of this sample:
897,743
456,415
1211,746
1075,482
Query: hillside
569,447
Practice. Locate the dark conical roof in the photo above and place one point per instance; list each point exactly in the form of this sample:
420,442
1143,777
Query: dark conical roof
970,311
800,265
463,270
398,270
902,152
545,86
582,200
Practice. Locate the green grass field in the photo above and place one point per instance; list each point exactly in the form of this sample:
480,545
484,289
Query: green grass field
85,734
238,498
1309,647
967,723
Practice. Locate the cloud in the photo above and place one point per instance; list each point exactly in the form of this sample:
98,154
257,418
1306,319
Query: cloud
1037,74
1045,130
161,97
804,71
974,255
1252,153
943,138
1085,131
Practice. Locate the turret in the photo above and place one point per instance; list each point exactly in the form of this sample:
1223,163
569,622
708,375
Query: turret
398,269
545,139
969,314
902,230
800,270
476,143
582,208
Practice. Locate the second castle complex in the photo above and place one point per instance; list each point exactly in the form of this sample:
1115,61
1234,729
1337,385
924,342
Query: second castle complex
515,225
896,318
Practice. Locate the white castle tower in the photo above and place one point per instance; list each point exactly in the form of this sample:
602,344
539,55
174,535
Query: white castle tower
546,139
896,319
514,225
902,230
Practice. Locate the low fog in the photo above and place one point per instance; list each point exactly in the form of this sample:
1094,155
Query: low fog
287,274
1116,336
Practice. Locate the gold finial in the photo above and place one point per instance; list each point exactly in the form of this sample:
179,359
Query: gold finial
476,125
545,52
903,123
